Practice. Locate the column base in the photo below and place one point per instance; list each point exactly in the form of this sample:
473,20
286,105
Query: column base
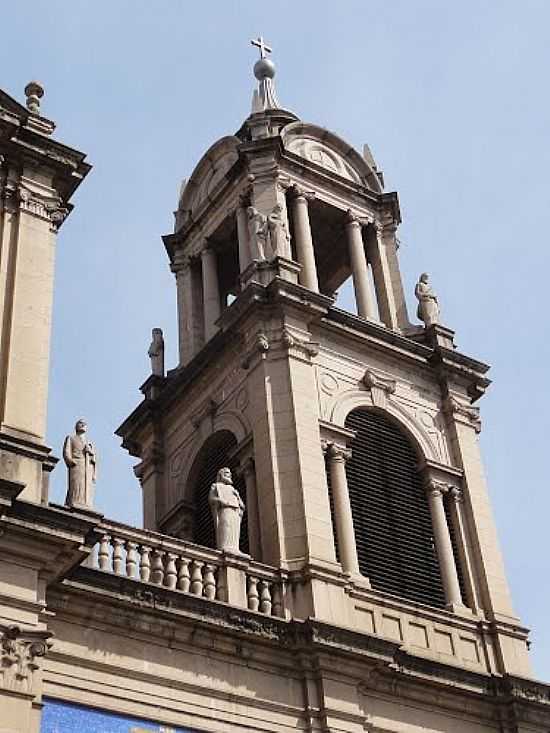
264,271
460,609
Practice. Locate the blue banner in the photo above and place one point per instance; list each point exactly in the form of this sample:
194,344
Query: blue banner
62,717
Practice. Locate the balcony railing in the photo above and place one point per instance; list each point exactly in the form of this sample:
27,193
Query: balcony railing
182,566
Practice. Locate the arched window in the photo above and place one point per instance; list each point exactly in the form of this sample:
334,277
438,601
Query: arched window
391,516
216,453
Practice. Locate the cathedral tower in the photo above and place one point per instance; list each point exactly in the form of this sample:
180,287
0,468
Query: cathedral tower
362,588
353,438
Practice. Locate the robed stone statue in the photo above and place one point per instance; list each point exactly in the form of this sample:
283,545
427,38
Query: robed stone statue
258,235
428,305
227,511
279,237
81,460
156,353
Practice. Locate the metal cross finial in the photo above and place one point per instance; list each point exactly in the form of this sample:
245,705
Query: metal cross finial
262,45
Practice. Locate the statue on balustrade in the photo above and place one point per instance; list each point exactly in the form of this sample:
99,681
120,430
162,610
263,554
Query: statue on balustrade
428,305
278,232
227,511
80,458
156,353
259,238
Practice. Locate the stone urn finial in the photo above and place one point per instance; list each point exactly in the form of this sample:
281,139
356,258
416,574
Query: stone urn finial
34,91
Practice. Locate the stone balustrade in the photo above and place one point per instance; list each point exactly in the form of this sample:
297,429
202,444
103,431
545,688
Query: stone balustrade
151,557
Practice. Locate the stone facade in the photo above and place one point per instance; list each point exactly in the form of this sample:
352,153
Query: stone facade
132,624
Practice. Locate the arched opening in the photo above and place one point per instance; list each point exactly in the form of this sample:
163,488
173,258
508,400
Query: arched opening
391,516
216,453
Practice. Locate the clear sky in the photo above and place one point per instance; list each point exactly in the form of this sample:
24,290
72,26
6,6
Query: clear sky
452,99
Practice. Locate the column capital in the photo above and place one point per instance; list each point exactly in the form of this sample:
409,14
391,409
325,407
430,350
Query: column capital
469,414
436,488
353,219
297,192
385,227
336,453
181,262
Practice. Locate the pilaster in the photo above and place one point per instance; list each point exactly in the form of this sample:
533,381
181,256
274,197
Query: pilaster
34,202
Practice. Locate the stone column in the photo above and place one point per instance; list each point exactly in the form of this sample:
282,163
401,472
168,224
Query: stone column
443,546
337,457
211,291
242,232
387,277
180,268
304,241
363,295
254,530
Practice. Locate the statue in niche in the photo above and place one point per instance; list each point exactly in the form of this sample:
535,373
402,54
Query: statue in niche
428,305
156,353
278,231
227,511
81,460
259,234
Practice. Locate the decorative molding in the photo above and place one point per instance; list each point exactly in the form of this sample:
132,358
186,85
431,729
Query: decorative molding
468,413
328,383
207,409
259,348
48,208
380,387
20,651
297,346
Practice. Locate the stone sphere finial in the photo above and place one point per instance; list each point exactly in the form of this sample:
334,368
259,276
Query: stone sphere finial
264,69
34,91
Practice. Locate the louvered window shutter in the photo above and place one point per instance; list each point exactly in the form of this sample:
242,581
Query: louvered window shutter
216,454
391,516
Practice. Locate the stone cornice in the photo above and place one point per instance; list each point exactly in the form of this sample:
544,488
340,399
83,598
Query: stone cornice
19,143
377,664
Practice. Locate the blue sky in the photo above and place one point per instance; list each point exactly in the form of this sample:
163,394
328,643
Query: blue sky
452,99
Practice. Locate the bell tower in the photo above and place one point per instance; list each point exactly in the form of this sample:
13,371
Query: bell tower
353,439
38,176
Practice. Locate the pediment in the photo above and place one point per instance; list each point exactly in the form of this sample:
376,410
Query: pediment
327,150
208,174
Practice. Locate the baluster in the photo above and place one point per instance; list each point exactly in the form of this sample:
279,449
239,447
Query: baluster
131,559
278,600
252,593
196,578
103,553
118,556
171,572
184,580
157,567
145,564
209,582
265,598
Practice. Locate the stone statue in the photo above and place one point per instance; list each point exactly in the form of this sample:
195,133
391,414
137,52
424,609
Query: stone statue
259,234
428,306
156,353
278,232
81,460
227,511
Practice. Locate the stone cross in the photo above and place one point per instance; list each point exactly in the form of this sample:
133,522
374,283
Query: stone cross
264,48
